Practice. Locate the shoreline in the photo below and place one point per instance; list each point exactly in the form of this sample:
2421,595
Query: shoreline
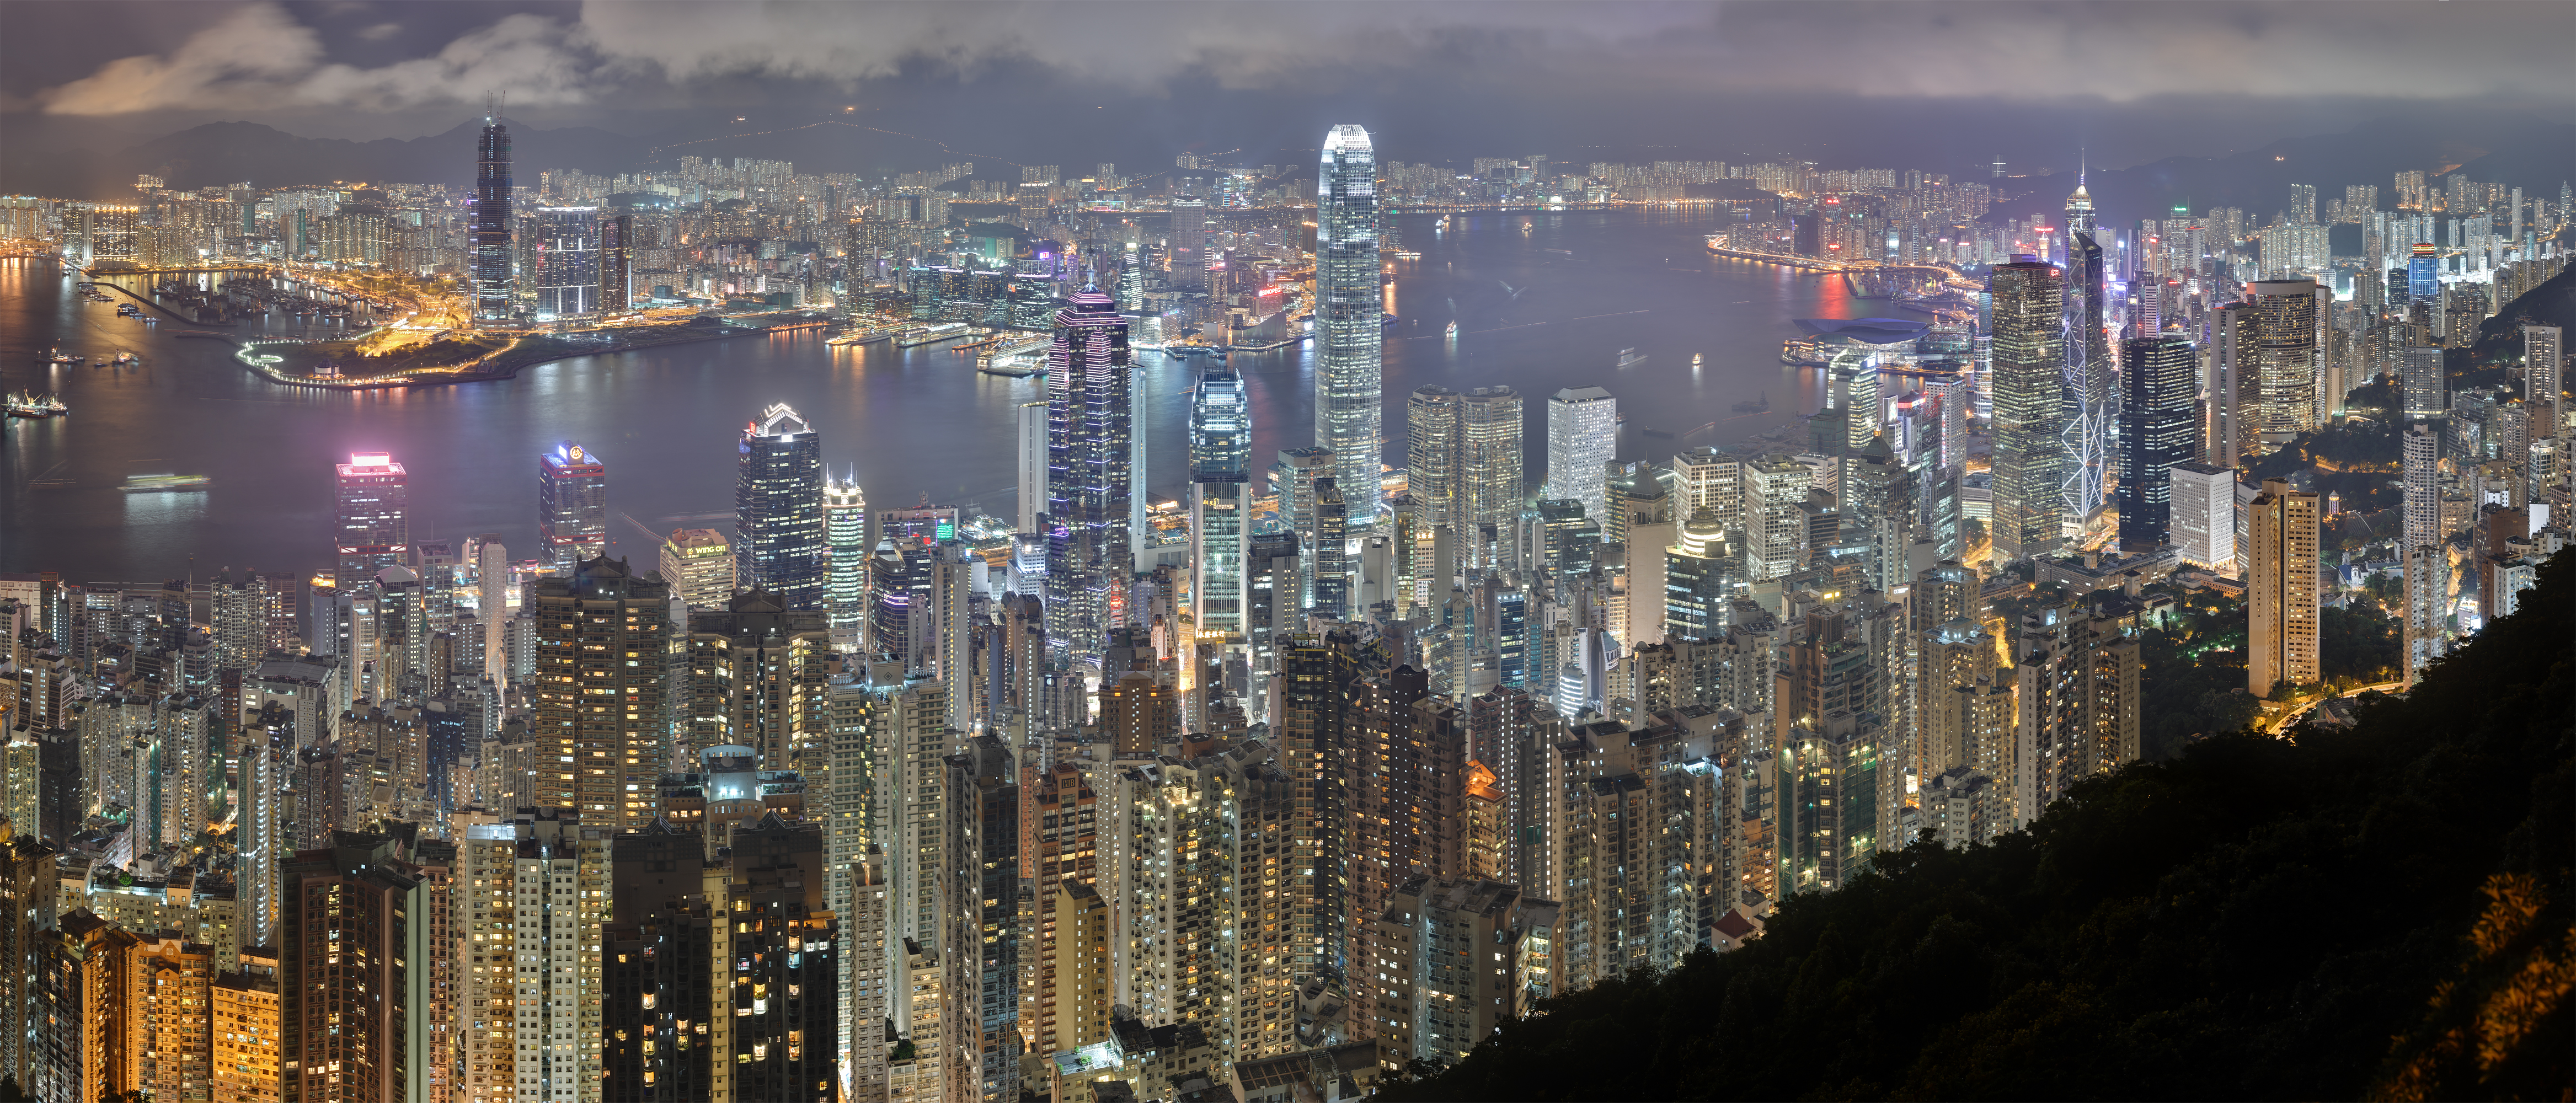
508,370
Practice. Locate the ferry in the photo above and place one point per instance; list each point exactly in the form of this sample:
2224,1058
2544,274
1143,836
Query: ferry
27,404
128,360
1453,330
1694,360
154,484
1629,358
60,357
930,335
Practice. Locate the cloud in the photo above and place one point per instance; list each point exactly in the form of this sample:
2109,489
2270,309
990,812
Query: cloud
259,56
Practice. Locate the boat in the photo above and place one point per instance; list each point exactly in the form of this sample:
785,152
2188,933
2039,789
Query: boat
863,335
1453,329
1629,358
128,359
1761,407
1694,359
61,357
154,484
26,404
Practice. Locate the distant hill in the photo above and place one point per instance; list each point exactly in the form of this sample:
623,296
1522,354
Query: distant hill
224,153
2513,150
2380,911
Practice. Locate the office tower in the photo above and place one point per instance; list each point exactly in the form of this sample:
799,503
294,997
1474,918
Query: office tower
845,532
2030,459
1330,591
758,678
2424,272
2158,375
2202,514
1090,481
2087,400
698,566
616,262
2289,370
1459,956
531,894
493,286
1582,440
1701,572
602,648
572,507
374,523
568,269
1489,487
1293,480
2281,588
1431,453
1775,493
1349,324
354,967
778,510
1220,469
1032,437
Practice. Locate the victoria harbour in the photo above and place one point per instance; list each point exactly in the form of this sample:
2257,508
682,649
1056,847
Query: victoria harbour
1535,311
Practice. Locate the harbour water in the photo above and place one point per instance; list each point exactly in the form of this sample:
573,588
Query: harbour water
1538,310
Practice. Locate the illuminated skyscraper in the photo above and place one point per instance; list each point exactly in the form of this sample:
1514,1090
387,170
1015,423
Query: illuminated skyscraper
374,530
1431,453
492,221
845,529
778,509
1220,466
2156,432
616,262
2424,273
2030,458
567,261
2281,588
1349,317
2085,396
1582,439
600,710
698,565
1089,477
572,506
1490,487
2289,356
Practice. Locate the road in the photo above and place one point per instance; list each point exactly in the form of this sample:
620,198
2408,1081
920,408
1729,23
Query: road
2291,719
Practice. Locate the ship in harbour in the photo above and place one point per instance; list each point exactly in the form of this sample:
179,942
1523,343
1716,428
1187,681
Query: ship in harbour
155,484
1629,358
864,335
32,405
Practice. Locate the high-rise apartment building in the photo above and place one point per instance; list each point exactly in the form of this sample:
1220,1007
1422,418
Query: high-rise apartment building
354,968
572,506
493,283
1349,317
2030,459
1030,431
1220,473
2159,378
602,668
2281,588
2544,354
616,262
778,510
1090,476
698,566
759,677
531,894
1582,440
2419,461
374,518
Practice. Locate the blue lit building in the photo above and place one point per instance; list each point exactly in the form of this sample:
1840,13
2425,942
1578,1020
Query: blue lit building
1090,477
778,509
1220,466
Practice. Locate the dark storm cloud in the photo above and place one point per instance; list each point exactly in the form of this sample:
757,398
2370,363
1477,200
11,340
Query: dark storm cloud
385,57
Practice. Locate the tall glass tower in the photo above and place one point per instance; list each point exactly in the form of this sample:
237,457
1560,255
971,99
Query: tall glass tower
572,506
2157,431
492,221
374,518
2029,357
845,530
2086,397
1220,466
568,280
1089,477
778,509
1350,322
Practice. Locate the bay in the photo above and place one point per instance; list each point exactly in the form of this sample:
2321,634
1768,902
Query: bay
1542,301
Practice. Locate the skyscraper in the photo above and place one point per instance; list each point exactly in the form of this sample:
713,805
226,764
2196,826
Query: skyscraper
778,509
2281,589
1490,487
374,530
492,221
602,635
1220,466
1582,439
2289,365
698,565
2030,458
1032,438
567,262
616,262
2086,395
2543,349
2424,272
1431,452
1349,317
845,530
572,506
2156,432
1089,476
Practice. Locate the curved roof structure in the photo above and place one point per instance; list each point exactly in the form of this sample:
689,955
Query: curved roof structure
1868,331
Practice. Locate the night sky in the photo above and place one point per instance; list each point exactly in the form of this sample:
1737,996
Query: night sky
1935,85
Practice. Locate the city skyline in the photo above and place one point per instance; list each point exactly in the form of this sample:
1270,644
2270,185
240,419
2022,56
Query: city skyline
1026,596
